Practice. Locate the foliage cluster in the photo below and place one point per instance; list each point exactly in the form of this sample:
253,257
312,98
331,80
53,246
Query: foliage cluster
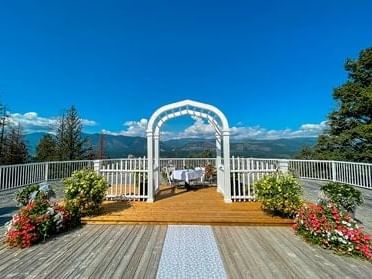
84,192
344,196
280,194
349,133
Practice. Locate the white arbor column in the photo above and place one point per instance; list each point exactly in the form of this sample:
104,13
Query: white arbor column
156,162
226,162
150,162
219,163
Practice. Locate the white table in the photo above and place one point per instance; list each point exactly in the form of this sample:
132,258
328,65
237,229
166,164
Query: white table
188,175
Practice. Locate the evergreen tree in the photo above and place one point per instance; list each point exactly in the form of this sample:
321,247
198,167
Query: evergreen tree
69,139
46,150
3,123
15,148
349,136
305,153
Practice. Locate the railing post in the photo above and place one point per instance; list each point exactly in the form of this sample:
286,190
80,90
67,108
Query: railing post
334,174
150,165
97,166
226,162
283,165
46,172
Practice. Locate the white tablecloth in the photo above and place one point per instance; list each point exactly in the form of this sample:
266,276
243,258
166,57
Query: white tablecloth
187,175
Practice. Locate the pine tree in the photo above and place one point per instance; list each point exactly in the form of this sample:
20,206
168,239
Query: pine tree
70,142
15,148
46,150
3,123
349,136
101,147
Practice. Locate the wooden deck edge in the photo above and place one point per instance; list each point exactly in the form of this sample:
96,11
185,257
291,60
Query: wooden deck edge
118,222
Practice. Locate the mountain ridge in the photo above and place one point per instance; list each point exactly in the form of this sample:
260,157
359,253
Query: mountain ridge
121,146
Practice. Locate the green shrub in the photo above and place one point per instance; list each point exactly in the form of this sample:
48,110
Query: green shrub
84,192
280,194
31,192
344,196
23,195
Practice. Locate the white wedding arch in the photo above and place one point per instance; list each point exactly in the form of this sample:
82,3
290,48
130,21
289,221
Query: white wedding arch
205,111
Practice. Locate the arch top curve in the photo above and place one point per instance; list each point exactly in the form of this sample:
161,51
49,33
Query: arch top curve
188,104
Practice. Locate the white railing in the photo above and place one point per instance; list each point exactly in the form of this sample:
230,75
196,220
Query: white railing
15,176
127,178
246,171
309,169
356,174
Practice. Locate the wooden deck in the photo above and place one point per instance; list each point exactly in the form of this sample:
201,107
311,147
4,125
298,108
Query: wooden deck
177,206
134,251
89,252
257,252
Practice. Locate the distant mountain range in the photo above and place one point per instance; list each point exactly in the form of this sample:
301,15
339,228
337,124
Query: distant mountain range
122,146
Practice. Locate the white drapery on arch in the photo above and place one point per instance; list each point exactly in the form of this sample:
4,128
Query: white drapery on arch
205,111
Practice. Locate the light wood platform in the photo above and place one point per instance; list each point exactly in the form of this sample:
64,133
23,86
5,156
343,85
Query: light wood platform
273,252
100,251
176,206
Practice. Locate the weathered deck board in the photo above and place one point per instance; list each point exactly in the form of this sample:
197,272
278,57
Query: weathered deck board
89,252
268,252
176,206
133,251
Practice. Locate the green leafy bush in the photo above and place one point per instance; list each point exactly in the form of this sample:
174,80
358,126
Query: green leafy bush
23,195
84,192
344,196
280,194
32,192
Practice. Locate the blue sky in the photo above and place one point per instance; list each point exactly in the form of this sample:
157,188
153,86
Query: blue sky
270,66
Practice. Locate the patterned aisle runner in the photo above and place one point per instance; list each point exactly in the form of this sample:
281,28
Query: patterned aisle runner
190,252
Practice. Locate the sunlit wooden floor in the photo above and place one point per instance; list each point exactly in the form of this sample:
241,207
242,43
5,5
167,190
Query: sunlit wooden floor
177,206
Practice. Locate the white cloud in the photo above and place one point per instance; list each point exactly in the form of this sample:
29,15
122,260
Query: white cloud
31,122
202,129
199,128
87,122
132,129
257,132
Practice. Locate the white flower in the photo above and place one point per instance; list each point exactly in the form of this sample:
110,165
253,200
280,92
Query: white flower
50,211
58,217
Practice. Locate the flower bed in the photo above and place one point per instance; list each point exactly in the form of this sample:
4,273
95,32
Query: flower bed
326,225
38,219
